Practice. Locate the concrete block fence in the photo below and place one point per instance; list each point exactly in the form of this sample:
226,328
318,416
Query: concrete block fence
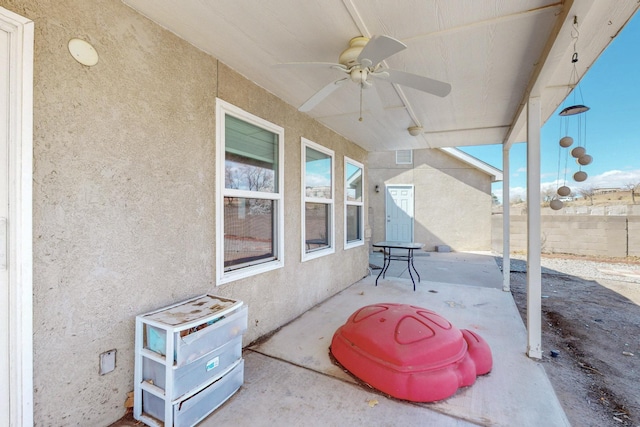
590,235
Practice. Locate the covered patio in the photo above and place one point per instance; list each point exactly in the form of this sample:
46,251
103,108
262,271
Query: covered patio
291,380
115,183
509,66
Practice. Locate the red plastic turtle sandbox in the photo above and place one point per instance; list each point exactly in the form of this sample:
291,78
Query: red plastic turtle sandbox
410,352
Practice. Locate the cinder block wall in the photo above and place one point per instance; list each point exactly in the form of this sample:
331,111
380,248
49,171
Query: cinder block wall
633,229
591,235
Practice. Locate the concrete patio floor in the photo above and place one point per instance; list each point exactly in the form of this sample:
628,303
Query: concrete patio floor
291,381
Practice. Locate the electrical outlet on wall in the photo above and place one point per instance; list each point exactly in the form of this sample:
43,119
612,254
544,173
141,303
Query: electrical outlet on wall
107,361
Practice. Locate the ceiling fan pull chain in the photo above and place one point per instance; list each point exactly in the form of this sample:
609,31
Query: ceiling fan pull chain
360,119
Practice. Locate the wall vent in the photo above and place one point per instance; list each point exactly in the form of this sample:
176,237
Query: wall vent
404,157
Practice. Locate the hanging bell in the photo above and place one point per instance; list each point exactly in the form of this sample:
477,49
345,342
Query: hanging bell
584,160
578,152
566,141
556,204
580,176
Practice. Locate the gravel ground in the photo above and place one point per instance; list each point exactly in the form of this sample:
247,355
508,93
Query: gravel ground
591,318
585,268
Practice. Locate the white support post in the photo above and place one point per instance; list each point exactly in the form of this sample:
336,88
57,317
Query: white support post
506,222
534,271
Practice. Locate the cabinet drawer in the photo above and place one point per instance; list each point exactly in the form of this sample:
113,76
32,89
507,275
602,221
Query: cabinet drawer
194,409
190,376
208,337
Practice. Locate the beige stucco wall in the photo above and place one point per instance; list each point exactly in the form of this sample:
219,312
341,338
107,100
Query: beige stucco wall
124,207
452,200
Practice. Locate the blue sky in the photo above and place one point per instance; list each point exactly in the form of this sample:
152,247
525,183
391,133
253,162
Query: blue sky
611,88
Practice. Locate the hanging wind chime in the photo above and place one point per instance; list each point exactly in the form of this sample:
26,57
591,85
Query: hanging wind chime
573,119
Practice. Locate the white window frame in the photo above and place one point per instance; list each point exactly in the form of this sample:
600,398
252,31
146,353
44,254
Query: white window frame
223,109
347,203
306,256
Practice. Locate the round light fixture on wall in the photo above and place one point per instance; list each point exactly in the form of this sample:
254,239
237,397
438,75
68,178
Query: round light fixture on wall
83,52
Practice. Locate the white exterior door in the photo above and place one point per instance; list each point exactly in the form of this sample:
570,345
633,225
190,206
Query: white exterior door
399,213
16,154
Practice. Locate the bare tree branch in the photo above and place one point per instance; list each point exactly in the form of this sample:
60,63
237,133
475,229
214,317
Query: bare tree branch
633,187
588,192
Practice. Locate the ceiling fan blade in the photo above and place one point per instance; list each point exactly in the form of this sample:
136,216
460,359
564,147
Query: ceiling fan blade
321,95
311,65
415,81
378,49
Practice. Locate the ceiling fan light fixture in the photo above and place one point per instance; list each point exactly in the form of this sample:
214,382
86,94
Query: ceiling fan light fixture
415,130
359,75
363,62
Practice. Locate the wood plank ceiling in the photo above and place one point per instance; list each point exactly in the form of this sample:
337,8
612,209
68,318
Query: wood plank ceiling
493,53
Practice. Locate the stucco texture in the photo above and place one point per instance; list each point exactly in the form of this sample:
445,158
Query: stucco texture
124,199
452,200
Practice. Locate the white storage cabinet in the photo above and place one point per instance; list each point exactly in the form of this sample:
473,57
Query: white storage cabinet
204,367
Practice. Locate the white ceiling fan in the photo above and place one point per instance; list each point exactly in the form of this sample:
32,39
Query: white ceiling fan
362,62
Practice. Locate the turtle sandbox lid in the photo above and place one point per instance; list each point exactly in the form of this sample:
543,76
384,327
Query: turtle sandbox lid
410,352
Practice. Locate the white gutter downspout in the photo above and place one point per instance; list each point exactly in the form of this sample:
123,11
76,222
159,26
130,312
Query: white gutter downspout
534,271
506,221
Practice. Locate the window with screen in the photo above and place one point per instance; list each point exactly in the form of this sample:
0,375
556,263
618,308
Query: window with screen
250,211
354,203
317,195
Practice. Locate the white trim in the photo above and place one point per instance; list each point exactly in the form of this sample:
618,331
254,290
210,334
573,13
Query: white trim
347,203
224,108
495,174
20,99
306,256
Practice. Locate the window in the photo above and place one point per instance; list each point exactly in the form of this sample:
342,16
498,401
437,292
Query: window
353,204
317,200
249,214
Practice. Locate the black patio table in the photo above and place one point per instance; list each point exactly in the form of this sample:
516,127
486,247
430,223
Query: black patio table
387,247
